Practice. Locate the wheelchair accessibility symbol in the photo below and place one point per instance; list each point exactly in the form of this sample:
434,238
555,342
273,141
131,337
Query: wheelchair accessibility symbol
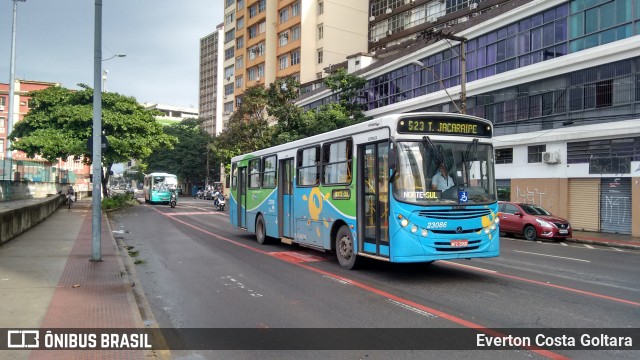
462,197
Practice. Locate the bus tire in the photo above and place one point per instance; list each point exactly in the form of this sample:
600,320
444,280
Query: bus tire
345,248
261,230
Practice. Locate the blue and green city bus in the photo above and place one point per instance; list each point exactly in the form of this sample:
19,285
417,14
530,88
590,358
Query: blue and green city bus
375,189
158,186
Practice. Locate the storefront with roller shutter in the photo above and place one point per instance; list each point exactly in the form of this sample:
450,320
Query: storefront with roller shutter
584,200
615,205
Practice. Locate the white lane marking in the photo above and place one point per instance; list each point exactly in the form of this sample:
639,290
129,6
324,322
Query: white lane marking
616,249
564,244
337,280
469,267
588,246
553,256
411,308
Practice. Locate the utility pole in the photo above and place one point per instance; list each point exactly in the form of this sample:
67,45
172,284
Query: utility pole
96,194
12,80
438,35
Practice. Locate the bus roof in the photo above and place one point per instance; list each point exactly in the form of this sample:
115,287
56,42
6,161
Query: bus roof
159,174
389,121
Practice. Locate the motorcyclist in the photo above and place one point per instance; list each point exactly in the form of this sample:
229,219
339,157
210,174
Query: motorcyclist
71,194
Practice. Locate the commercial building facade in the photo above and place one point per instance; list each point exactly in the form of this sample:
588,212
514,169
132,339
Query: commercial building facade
559,79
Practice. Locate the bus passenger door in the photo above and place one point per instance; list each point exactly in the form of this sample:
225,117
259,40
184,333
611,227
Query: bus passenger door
285,198
242,197
373,198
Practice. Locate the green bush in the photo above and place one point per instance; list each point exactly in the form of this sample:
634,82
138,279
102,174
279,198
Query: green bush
118,201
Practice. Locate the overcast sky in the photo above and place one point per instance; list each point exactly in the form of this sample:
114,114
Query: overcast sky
161,38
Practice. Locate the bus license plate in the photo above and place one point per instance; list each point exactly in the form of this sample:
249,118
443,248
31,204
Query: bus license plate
459,243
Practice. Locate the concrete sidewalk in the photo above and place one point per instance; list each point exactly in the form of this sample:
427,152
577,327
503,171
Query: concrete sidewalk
47,281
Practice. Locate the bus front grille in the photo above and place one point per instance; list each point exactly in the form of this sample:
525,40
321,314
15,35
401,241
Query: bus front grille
452,214
466,231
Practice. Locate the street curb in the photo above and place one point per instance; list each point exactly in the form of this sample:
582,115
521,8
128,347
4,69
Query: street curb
604,243
145,318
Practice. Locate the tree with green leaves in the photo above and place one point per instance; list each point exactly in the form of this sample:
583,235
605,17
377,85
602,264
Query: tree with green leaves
348,87
188,158
247,130
280,98
59,124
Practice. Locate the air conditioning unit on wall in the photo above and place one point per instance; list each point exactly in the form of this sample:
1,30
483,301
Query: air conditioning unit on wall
551,157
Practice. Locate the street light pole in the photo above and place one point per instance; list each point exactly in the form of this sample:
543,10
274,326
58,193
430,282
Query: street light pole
96,209
104,80
12,80
418,63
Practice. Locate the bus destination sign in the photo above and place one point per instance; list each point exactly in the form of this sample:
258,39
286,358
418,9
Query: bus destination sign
444,126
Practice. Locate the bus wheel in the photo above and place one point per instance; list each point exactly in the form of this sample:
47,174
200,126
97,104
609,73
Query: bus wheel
344,248
261,230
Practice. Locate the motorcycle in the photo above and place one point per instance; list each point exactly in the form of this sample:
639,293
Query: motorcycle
219,202
173,201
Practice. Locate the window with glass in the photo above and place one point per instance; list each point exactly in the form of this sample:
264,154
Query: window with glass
320,31
254,173
229,53
228,89
228,71
240,42
1,145
283,38
320,53
295,9
240,4
229,3
228,20
283,62
598,22
504,156
262,5
320,7
534,153
284,15
240,62
253,11
262,27
432,173
240,23
229,35
253,31
228,107
337,162
239,82
308,165
295,33
269,172
3,101
295,57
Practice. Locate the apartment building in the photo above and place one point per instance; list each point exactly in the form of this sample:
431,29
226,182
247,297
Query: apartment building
560,79
69,170
263,41
211,65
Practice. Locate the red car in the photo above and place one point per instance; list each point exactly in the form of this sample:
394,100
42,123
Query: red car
531,221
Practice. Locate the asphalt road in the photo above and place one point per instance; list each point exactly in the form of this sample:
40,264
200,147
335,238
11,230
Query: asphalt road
197,272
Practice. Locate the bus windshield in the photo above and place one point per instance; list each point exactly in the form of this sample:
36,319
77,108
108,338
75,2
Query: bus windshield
164,183
436,173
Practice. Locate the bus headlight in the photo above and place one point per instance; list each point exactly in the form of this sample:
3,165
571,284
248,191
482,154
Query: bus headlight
487,231
414,229
493,227
404,222
496,220
425,232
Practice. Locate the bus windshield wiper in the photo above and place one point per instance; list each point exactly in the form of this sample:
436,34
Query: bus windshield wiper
433,151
